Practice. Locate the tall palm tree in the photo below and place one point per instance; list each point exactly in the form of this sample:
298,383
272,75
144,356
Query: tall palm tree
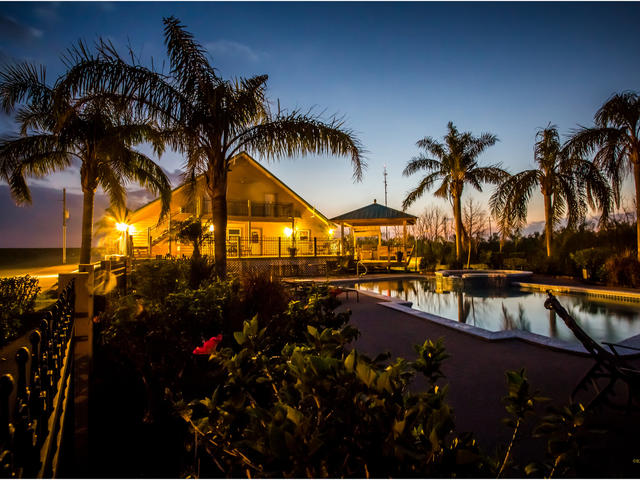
616,140
456,164
211,120
568,184
56,128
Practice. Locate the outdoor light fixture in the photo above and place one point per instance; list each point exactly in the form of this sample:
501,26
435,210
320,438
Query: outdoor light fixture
122,227
331,232
211,227
287,232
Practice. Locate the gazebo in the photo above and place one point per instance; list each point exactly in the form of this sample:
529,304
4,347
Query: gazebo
366,222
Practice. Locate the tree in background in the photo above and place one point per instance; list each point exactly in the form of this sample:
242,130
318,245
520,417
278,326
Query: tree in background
475,225
615,139
211,120
455,164
567,182
57,128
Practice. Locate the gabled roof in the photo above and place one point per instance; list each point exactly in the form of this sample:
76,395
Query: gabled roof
375,214
267,173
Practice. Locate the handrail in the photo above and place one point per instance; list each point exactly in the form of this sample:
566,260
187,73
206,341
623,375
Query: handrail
358,263
33,408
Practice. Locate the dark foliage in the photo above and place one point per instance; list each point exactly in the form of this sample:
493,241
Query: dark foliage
17,298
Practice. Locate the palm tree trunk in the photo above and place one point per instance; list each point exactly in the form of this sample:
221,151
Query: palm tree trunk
87,226
218,193
457,213
636,176
548,223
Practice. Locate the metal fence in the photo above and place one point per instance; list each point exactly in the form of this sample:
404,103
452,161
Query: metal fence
280,247
281,267
33,408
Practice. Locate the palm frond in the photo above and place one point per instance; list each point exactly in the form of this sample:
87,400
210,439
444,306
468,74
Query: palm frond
299,134
21,82
432,146
511,197
422,163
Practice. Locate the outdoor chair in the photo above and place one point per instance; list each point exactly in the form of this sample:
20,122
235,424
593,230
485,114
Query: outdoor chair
610,366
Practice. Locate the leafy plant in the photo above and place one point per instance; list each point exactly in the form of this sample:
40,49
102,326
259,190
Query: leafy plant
520,402
310,408
623,270
17,297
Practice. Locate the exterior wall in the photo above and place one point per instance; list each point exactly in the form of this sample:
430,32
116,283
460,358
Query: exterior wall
273,204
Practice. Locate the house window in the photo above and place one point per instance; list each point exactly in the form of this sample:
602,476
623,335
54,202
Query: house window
304,235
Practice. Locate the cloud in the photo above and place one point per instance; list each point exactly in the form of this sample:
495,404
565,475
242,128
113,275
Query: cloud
138,198
107,6
49,12
40,225
175,177
14,31
230,48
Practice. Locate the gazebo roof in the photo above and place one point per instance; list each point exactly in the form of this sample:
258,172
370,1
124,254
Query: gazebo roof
375,214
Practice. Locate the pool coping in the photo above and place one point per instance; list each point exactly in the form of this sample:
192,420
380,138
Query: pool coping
400,305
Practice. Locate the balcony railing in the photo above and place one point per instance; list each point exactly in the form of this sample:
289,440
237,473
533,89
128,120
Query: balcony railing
273,210
277,247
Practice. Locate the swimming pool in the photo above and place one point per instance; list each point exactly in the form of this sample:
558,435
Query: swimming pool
515,309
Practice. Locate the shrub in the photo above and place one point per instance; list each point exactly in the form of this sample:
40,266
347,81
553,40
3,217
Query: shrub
156,279
623,270
312,409
263,296
17,297
592,260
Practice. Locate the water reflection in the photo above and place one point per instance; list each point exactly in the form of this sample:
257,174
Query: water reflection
498,309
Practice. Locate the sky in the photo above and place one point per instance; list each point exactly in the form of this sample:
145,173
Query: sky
396,72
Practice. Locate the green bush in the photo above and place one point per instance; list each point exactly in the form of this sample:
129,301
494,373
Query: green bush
592,260
17,297
310,408
156,279
623,270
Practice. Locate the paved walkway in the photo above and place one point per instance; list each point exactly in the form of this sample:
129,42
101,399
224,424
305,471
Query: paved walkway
48,276
476,369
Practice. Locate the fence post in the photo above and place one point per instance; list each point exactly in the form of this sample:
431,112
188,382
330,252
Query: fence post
279,247
82,360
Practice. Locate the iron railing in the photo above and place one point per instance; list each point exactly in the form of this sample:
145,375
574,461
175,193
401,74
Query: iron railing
273,210
245,247
33,409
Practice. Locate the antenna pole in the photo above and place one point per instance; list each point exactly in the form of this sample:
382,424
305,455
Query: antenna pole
64,225
386,228
385,186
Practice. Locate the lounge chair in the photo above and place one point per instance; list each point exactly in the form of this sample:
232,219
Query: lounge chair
609,367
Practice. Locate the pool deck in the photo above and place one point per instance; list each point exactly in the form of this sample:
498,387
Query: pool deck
475,372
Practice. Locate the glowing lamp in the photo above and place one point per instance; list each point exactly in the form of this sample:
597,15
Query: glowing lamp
211,227
331,232
287,232
122,227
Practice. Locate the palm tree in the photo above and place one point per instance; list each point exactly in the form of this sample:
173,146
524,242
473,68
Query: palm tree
616,140
56,128
211,120
567,182
455,164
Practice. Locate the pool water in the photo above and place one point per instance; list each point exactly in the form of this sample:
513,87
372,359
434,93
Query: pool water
516,309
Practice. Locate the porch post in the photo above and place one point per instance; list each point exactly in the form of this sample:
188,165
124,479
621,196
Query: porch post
341,238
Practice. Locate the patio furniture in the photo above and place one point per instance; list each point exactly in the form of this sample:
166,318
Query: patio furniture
610,366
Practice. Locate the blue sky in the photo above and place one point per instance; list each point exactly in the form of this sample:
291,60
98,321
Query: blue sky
396,71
